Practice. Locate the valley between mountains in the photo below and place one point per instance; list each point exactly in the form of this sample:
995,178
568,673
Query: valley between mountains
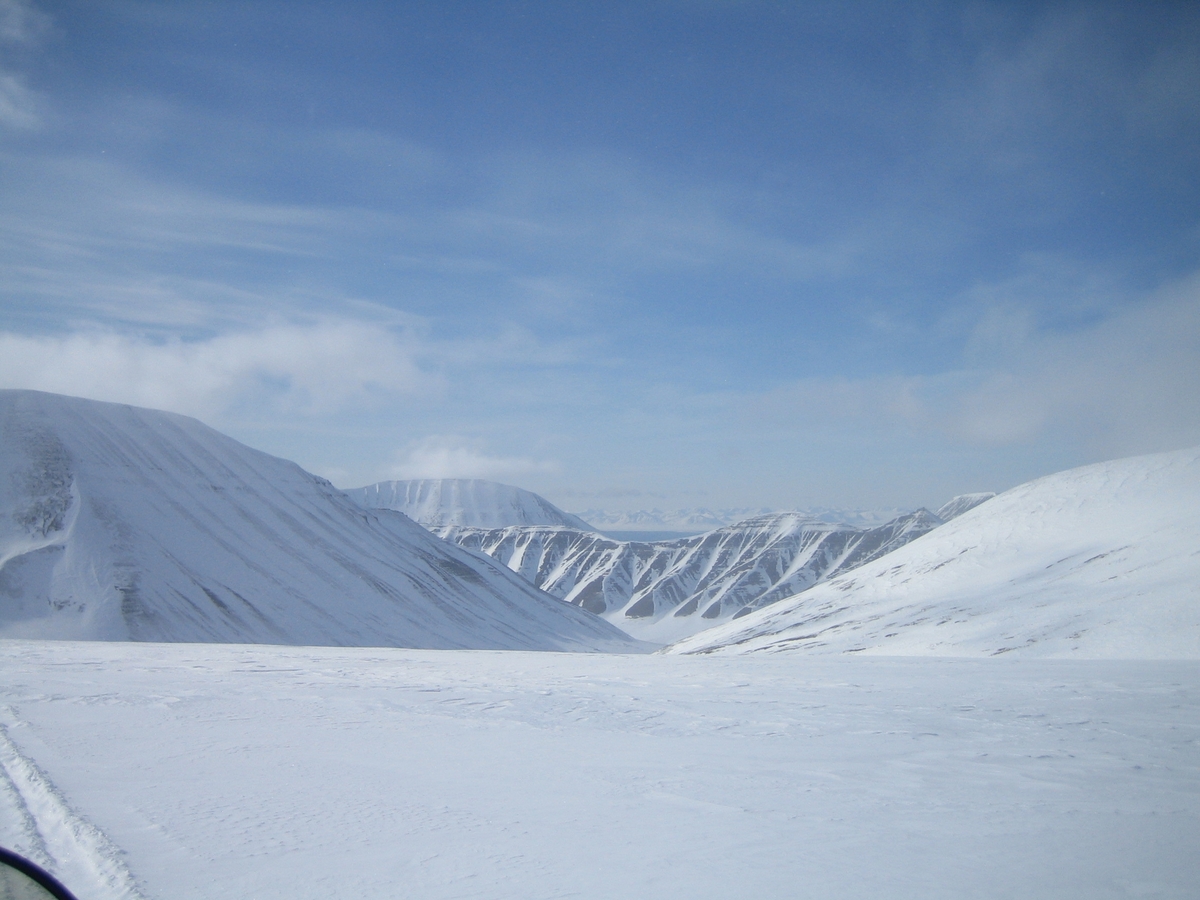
122,523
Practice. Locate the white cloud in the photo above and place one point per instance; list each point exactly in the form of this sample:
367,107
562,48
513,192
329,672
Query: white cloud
20,23
446,456
311,368
18,105
1129,383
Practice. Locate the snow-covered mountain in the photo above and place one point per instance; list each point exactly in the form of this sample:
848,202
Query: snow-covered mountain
701,519
118,523
1101,561
434,502
665,590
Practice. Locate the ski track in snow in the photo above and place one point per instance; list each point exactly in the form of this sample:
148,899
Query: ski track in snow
226,771
51,833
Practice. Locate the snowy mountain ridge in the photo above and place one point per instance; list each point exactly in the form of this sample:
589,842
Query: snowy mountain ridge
961,504
119,523
665,590
1100,561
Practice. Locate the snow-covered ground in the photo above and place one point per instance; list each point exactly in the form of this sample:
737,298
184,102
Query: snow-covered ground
1102,561
179,772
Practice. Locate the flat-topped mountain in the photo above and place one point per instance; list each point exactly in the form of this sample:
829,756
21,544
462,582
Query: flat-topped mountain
434,502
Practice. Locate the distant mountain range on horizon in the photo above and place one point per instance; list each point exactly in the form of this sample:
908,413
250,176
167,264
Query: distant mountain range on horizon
477,503
700,519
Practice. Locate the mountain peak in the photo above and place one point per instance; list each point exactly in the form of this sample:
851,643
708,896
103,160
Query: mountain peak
471,502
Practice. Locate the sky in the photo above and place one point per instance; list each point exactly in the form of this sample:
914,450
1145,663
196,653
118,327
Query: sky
665,253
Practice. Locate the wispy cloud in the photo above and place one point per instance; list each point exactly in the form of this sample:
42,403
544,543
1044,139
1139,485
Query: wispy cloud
447,456
20,22
307,369
18,104
1126,383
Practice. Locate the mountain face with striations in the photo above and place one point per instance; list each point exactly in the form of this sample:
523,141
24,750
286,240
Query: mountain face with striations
434,502
119,523
665,590
1101,561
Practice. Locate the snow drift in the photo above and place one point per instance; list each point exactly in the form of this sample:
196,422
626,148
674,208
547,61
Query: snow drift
1101,561
118,523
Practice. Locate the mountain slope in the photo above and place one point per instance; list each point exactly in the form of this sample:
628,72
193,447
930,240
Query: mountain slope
665,590
1100,561
118,523
464,501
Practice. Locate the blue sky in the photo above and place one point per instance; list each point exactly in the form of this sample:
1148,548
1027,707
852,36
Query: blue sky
629,255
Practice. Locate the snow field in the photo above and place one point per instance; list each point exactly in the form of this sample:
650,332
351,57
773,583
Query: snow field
271,772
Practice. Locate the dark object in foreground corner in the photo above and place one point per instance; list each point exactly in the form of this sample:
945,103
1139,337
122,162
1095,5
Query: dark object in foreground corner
22,880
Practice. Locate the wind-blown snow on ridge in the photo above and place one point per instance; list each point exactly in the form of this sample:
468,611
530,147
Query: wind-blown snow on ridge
472,502
664,590
119,523
1101,561
956,506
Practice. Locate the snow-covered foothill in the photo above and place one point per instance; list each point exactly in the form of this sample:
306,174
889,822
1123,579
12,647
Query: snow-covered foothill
434,502
120,523
1100,561
665,590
